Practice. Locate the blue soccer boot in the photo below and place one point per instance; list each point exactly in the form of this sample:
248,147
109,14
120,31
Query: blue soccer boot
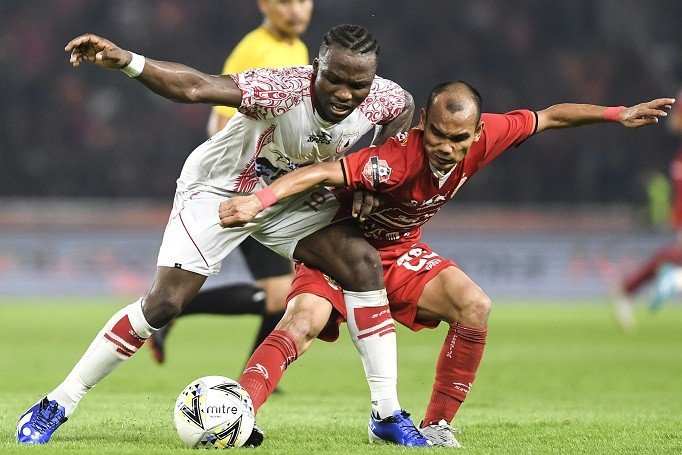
398,429
38,423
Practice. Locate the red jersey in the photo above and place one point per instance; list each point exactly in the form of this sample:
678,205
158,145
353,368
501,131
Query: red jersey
400,169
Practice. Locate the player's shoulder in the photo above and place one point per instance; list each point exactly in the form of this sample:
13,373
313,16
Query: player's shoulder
290,78
519,119
410,139
404,148
270,92
517,113
386,100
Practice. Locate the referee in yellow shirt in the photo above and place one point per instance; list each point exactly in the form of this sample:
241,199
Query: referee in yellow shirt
275,44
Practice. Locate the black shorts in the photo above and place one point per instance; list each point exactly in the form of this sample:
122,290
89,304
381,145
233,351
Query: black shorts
262,261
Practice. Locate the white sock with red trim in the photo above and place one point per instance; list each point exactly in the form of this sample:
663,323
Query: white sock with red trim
120,338
372,330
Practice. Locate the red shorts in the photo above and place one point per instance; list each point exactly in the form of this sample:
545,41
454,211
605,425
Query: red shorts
407,269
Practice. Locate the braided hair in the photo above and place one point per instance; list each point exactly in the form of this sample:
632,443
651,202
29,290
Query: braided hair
354,38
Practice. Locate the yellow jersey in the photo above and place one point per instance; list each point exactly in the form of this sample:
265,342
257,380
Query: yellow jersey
261,49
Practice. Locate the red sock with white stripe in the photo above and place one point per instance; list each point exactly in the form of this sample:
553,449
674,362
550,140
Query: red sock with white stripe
455,372
120,338
372,330
266,366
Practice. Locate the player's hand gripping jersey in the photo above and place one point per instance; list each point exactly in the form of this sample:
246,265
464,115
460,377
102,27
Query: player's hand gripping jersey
277,130
400,169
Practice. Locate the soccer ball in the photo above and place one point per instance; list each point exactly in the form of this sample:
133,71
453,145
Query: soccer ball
214,412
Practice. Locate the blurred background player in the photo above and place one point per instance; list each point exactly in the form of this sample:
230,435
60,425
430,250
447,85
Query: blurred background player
665,265
275,44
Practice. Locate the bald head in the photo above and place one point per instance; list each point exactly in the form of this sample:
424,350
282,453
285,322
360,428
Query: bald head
456,97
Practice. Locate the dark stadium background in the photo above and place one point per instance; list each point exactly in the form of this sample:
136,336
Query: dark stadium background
89,158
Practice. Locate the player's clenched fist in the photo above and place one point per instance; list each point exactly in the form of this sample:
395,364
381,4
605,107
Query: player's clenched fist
645,113
98,50
239,210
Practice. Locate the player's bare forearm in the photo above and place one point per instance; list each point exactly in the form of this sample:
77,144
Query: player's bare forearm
300,180
239,210
171,80
181,83
401,123
569,115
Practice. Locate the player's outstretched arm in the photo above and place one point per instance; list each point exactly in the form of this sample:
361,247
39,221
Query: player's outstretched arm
171,80
571,115
238,211
401,123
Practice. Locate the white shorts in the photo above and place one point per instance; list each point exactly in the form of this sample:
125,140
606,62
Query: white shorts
194,241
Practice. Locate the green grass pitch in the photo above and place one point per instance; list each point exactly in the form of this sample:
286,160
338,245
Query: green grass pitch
557,378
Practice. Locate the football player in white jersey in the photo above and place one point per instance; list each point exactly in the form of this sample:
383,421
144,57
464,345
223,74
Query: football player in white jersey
287,118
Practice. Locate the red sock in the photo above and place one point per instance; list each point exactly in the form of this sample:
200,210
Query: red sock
455,371
647,272
266,366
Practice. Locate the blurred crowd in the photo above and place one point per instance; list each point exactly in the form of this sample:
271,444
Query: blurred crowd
88,132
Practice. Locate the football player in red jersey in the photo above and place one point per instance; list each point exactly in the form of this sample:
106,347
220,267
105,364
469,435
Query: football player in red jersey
418,172
665,264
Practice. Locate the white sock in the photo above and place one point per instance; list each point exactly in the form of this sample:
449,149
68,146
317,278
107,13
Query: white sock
372,330
120,338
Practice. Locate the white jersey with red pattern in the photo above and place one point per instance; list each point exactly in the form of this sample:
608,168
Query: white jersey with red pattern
400,169
277,130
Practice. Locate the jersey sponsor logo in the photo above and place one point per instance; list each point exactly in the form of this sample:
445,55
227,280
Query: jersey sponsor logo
383,234
320,138
438,199
376,171
274,165
397,218
347,140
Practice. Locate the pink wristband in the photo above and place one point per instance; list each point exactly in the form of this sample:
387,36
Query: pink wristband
266,196
612,114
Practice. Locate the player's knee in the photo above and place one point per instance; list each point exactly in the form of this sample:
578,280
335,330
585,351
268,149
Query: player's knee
471,310
303,329
304,320
366,272
160,308
477,310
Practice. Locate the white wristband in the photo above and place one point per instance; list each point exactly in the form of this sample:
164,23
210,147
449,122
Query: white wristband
135,67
